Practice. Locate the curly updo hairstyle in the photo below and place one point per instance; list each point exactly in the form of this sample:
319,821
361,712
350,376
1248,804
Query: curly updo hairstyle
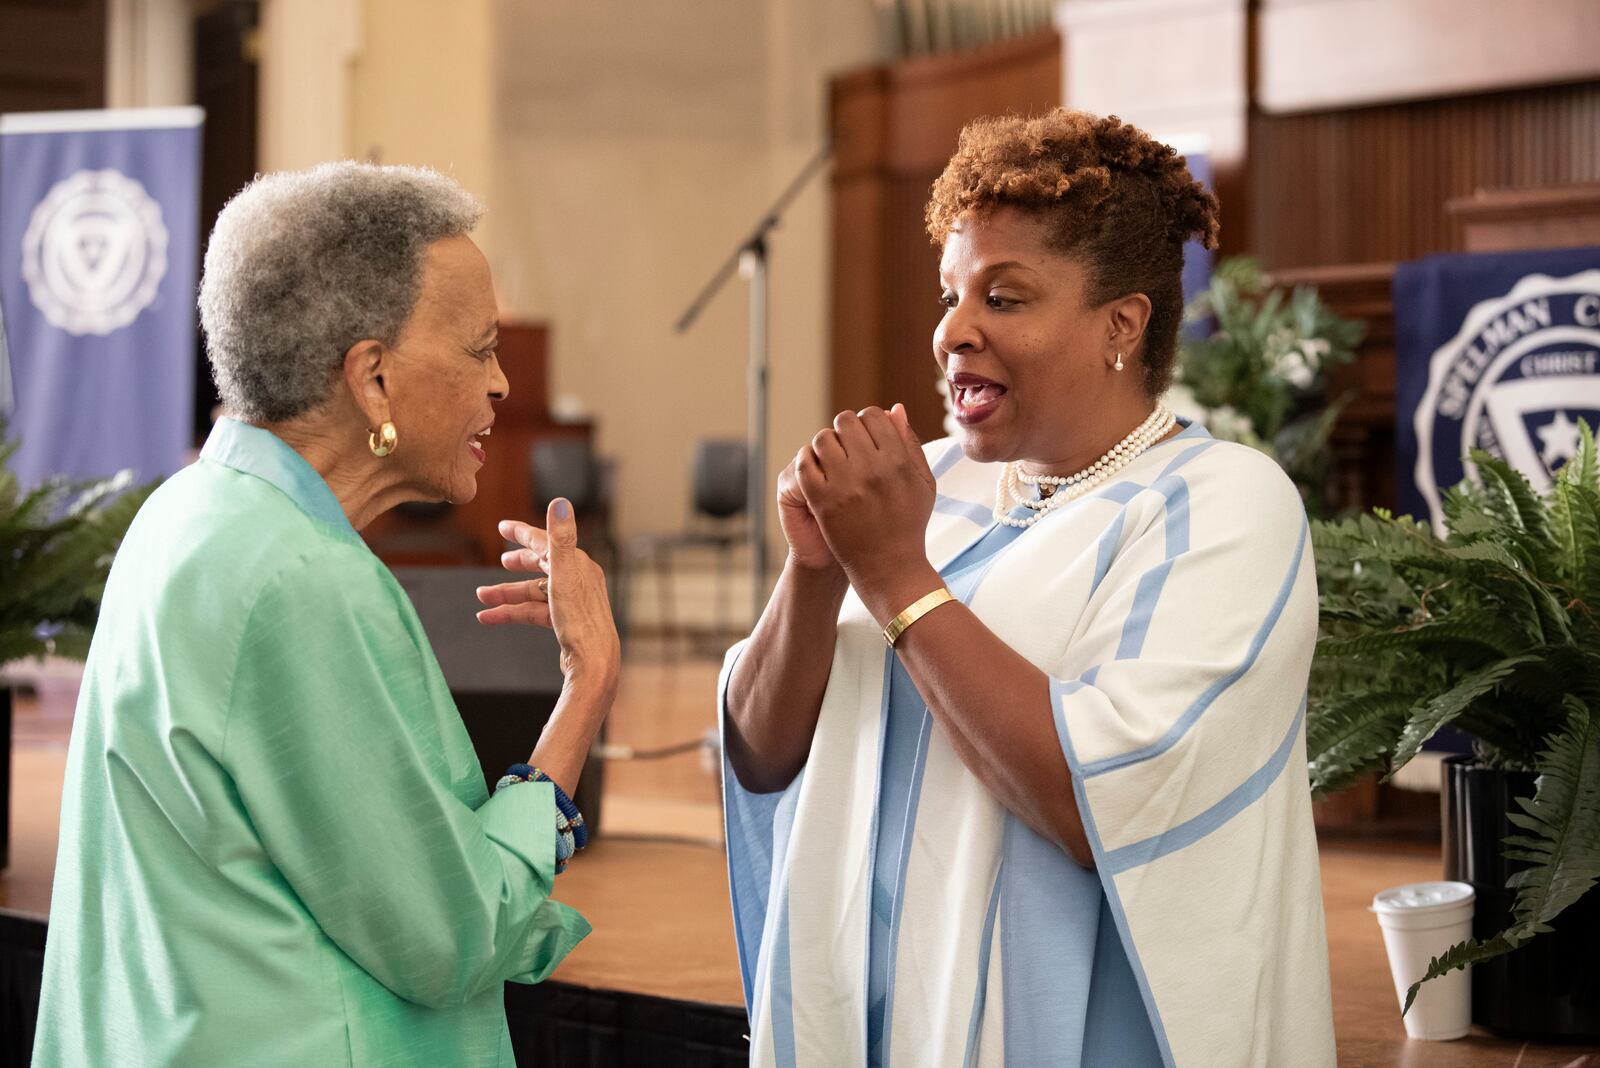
1119,202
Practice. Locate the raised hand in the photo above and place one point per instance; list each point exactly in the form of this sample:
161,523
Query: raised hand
571,599
807,547
871,492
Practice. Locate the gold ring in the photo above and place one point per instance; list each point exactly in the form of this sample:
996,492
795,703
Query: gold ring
544,587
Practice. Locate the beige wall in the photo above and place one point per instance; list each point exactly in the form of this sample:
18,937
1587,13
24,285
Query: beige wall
422,89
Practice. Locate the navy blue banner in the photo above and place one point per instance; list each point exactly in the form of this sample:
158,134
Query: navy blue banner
1197,259
99,238
1494,351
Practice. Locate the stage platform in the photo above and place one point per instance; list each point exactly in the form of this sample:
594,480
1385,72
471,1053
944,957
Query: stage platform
657,983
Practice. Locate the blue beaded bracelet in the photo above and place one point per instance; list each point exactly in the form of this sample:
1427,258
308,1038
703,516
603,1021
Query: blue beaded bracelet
529,773
571,834
565,846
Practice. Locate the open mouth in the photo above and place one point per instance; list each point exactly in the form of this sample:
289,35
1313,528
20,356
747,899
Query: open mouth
974,397
476,444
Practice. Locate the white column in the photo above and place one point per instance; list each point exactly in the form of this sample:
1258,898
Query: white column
307,47
149,53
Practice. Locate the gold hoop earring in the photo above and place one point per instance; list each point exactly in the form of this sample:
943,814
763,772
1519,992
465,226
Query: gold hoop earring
383,440
1118,365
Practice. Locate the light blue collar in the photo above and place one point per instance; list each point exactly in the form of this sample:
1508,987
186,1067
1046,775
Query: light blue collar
262,453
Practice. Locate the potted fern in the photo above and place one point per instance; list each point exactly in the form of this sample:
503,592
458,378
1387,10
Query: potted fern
1494,628
56,545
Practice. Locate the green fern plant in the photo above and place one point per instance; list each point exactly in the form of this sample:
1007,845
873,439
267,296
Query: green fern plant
56,545
1492,628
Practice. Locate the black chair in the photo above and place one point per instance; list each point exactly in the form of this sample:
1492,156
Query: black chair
717,521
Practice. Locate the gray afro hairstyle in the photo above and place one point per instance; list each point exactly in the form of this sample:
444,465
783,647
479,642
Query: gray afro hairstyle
304,264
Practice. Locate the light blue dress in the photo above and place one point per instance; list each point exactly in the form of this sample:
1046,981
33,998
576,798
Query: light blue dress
1070,959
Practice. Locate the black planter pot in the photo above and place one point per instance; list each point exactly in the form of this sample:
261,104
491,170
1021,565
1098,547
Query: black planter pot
1549,988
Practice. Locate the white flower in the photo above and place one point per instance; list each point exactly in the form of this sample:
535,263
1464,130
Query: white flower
1296,369
1297,360
1316,350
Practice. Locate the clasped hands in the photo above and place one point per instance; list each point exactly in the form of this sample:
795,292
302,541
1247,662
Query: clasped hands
858,499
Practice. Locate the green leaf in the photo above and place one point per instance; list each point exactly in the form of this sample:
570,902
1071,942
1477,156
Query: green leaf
1511,496
1352,734
1459,956
1561,821
1482,631
56,546
1583,469
1426,719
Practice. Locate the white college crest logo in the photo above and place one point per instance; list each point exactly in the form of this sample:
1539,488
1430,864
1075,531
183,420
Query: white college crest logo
1514,381
95,252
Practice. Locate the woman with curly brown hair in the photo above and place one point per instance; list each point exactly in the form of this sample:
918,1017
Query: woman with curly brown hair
1063,817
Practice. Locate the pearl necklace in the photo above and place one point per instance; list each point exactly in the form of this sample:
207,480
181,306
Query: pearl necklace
1009,494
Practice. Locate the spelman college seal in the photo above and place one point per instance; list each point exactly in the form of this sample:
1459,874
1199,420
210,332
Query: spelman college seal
94,253
1514,381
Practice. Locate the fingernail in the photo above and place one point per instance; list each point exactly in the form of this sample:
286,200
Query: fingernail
563,508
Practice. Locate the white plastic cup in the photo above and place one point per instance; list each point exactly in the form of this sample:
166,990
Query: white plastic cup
1420,921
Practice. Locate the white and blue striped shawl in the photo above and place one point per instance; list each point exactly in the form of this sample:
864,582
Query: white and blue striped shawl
1175,613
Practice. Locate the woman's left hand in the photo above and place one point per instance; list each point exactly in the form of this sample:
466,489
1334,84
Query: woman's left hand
571,599
872,493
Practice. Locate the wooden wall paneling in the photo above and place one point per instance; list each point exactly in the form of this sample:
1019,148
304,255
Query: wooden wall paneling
860,196
893,129
1503,220
52,55
1367,185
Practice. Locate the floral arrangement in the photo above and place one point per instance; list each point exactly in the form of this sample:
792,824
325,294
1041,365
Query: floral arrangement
1255,370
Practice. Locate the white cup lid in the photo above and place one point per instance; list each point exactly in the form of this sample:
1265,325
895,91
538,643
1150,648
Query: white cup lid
1422,897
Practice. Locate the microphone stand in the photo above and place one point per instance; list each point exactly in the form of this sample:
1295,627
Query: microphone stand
749,258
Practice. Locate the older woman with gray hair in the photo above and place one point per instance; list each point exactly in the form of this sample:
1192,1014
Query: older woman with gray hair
276,843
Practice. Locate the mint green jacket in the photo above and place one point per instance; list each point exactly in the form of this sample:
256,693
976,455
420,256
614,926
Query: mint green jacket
276,845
